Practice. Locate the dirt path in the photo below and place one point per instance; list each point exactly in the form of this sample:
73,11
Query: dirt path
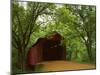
64,65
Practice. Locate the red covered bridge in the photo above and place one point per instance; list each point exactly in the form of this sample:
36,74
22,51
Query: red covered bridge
46,49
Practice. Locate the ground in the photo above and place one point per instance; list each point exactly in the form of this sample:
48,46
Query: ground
63,65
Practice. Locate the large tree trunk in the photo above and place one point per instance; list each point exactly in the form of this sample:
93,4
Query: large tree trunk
89,51
21,59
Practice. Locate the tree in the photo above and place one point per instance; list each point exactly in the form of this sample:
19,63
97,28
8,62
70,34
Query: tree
23,25
85,25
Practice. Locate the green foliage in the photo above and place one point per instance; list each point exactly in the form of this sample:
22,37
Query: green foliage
76,23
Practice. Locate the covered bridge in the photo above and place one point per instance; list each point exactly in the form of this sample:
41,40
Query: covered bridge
46,49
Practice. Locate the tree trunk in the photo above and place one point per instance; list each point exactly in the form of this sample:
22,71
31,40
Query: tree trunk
89,51
21,59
